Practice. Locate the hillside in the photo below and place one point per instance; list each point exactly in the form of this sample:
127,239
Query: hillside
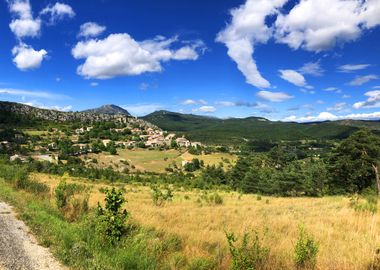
108,109
16,113
235,130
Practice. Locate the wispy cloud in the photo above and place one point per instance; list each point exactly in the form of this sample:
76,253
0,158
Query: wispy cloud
194,102
28,93
351,68
274,96
363,79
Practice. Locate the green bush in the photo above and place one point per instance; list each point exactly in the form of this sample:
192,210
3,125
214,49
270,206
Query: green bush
160,196
111,220
249,254
306,251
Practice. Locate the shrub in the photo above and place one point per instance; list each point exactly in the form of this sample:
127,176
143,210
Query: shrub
249,255
159,196
306,251
111,220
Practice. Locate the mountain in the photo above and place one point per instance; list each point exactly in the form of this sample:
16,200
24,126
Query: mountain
109,109
236,130
15,113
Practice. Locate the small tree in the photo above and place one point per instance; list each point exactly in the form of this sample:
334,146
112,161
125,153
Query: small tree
111,219
305,251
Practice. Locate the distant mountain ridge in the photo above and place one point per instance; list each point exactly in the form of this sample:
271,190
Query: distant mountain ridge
108,109
237,130
12,109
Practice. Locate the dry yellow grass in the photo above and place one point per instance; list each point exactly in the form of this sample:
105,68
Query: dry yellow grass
348,240
155,160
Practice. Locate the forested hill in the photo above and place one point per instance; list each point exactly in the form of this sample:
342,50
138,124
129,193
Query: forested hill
235,130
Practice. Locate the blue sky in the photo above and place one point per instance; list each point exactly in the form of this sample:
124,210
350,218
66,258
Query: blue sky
272,58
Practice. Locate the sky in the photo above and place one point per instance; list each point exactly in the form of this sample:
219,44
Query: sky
305,60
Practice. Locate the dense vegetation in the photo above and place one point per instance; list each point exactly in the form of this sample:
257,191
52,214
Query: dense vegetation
236,130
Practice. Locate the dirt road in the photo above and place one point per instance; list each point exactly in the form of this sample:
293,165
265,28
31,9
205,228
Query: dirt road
18,248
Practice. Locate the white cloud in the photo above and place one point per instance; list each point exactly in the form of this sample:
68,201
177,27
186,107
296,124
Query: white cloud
326,116
194,102
350,68
333,89
121,55
94,84
373,100
342,21
91,29
274,96
23,24
362,80
189,102
57,12
312,68
293,77
346,96
246,29
142,109
205,109
36,104
323,116
25,57
28,93
338,107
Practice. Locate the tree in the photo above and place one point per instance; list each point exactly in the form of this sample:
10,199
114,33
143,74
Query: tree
355,163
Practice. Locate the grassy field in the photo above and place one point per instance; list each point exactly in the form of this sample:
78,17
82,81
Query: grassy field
347,239
155,160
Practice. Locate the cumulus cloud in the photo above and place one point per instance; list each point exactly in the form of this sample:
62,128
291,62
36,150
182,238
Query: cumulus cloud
91,29
350,68
326,116
373,100
57,12
121,55
342,21
23,24
362,80
302,27
312,68
293,77
26,58
248,28
274,96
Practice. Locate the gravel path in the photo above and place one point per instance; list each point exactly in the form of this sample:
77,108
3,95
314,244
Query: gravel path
18,248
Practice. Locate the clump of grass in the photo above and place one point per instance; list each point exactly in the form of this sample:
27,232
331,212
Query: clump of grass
306,251
367,203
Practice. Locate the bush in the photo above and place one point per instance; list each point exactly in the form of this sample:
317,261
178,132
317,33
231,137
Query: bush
111,220
70,206
159,196
247,256
306,250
